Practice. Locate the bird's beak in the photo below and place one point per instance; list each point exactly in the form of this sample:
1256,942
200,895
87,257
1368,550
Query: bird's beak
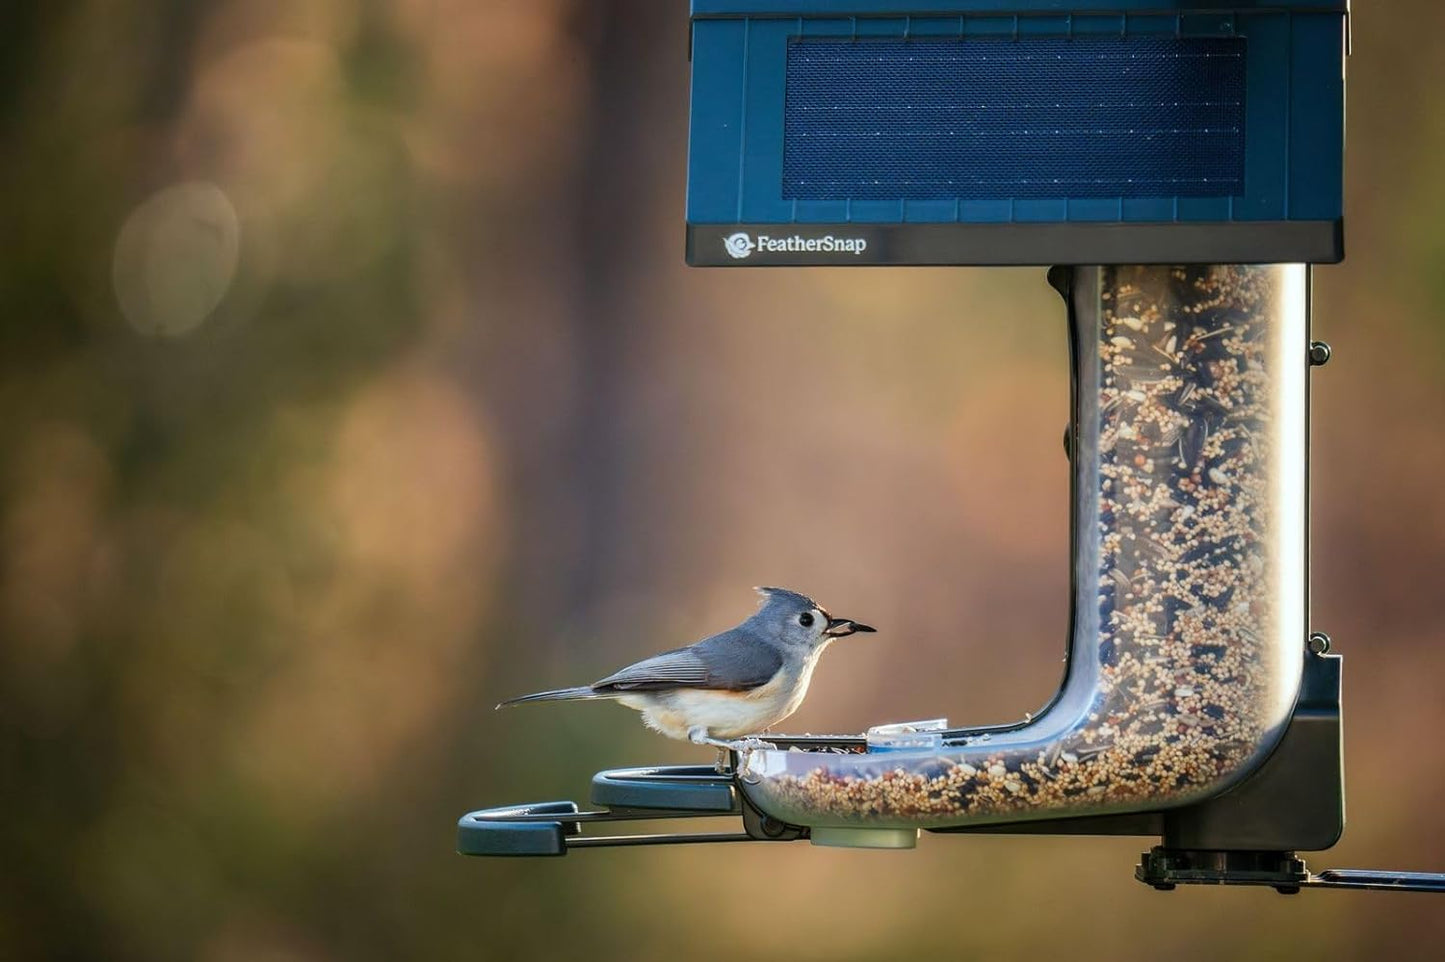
838,627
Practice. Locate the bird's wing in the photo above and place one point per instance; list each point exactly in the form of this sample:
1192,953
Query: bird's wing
735,660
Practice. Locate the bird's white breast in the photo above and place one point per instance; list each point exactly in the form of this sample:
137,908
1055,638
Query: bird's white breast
725,714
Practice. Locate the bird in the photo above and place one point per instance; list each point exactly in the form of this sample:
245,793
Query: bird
736,683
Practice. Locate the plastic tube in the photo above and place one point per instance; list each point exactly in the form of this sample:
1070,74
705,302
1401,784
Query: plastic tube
1189,547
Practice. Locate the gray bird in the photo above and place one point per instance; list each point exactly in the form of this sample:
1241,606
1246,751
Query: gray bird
736,683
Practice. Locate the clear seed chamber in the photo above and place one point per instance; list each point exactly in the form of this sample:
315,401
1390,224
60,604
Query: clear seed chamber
1189,542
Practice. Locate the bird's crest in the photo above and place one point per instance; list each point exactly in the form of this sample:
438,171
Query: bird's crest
783,593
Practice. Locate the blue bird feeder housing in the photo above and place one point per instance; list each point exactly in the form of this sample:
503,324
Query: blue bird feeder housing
850,132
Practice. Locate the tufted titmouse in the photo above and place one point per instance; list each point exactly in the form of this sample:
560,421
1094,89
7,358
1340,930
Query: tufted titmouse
735,683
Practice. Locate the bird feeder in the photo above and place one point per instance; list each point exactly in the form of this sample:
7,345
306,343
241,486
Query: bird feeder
1033,132
1180,165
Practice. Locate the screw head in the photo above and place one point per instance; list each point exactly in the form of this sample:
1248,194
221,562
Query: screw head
1319,642
1319,354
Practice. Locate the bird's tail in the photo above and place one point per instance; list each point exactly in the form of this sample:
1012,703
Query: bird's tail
558,694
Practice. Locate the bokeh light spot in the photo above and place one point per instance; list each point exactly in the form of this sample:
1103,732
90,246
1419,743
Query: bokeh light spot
175,258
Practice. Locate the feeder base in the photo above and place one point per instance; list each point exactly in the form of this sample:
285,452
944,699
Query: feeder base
865,837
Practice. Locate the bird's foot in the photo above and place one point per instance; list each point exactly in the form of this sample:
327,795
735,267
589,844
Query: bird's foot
744,748
722,766
751,744
699,736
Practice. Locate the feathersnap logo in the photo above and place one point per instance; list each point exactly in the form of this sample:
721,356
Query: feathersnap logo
740,245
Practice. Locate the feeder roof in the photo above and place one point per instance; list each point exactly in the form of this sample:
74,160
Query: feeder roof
899,8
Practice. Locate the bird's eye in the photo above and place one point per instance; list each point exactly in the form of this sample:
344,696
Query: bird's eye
806,619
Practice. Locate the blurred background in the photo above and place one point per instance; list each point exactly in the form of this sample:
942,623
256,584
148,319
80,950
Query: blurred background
351,381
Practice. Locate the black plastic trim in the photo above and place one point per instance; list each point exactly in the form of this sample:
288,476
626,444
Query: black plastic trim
1235,242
